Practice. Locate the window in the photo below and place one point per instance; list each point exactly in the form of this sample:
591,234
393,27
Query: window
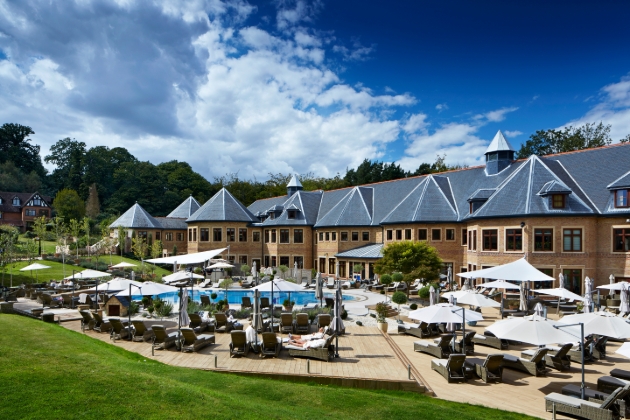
168,236
284,260
272,215
242,259
291,214
299,261
16,201
284,236
266,236
422,235
621,198
204,234
407,234
557,201
217,235
543,239
573,278
436,234
464,237
273,236
390,235
398,234
621,240
321,236
274,261
298,236
230,234
30,212
158,236
514,239
334,236
255,236
472,240
43,213
343,236
331,266
572,240
355,236
242,234
143,235
327,236
544,284
266,260
366,236
37,201
490,240
180,237
450,234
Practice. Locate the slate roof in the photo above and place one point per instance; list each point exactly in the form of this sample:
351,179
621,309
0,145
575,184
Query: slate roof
136,217
430,201
356,208
499,143
482,194
366,251
222,207
172,223
7,201
186,209
294,182
621,182
554,187
305,204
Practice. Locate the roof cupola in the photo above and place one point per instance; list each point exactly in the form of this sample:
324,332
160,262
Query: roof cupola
499,154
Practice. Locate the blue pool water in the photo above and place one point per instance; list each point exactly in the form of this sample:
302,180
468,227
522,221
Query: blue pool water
234,296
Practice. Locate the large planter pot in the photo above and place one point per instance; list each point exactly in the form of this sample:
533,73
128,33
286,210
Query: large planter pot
383,326
288,308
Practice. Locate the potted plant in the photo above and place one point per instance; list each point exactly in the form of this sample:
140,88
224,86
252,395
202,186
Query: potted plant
150,310
288,305
381,315
512,304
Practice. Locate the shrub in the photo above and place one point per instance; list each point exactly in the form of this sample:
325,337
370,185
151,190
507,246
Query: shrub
359,323
413,306
166,309
134,308
242,313
386,279
382,292
399,298
381,311
213,296
397,277
344,314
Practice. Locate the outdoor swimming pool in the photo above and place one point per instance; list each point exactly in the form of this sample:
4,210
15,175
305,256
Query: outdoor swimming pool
234,296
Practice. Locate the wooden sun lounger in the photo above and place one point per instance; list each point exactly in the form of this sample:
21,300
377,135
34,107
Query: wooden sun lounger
270,345
161,340
452,369
119,330
140,332
608,409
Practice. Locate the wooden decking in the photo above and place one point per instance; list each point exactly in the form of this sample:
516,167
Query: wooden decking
366,361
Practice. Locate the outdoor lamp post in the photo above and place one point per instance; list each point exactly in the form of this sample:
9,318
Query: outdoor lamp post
129,309
581,324
72,297
463,327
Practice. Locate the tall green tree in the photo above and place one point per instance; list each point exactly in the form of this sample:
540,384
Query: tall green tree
15,147
412,259
68,157
14,179
69,205
568,139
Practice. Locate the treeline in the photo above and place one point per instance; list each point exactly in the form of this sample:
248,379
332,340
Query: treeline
103,182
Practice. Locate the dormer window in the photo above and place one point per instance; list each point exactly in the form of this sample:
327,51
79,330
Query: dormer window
621,198
291,214
272,215
0,200
558,201
16,201
37,201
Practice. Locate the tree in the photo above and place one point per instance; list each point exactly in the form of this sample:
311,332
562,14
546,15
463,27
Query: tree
15,147
140,248
86,228
40,227
122,240
357,268
412,259
69,205
156,252
546,142
67,155
283,269
386,280
60,230
625,139
93,206
8,239
75,230
399,298
107,241
13,178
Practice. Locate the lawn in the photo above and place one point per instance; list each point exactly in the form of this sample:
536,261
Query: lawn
56,272
48,371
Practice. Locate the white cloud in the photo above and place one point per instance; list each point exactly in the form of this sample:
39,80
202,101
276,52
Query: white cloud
496,115
512,133
613,108
441,107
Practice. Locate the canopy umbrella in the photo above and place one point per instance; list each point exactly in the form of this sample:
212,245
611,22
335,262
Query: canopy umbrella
449,277
257,323
499,284
35,266
443,313
338,327
614,286
456,294
88,274
533,329
538,309
450,326
477,300
600,323
560,292
624,308
194,258
624,350
319,289
432,296
149,288
466,285
220,265
561,282
180,275
279,285
254,272
523,299
295,270
124,264
184,319
519,270
611,278
588,294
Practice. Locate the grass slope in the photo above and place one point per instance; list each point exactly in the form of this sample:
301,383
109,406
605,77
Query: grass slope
50,372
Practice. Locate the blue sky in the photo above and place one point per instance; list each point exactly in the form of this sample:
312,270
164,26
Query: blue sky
310,86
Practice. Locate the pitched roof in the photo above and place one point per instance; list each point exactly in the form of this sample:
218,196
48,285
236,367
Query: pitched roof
554,187
222,207
354,209
430,201
186,209
306,205
136,217
365,251
7,200
621,182
499,143
172,223
295,182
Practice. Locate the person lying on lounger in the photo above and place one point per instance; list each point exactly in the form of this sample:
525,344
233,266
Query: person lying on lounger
301,339
310,344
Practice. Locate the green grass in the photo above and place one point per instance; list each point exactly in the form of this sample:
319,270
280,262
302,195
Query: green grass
56,270
50,372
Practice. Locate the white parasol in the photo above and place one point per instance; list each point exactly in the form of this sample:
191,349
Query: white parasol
588,294
124,264
88,274
519,270
149,288
179,276
534,330
36,267
499,284
477,300
184,319
600,323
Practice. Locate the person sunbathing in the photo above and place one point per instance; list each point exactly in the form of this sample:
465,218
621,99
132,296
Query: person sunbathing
309,344
301,339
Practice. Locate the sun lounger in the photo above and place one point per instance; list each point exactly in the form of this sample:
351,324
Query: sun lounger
119,331
47,300
270,346
608,384
264,303
599,350
199,325
452,369
301,324
162,340
205,300
311,305
246,302
575,354
140,332
193,342
621,374
286,323
596,396
420,330
557,359
441,349
239,345
221,323
470,346
247,283
87,322
323,320
608,409
534,365
489,369
489,339
325,353
101,325
330,284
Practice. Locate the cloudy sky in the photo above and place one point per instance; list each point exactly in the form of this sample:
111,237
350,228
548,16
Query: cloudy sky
310,86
